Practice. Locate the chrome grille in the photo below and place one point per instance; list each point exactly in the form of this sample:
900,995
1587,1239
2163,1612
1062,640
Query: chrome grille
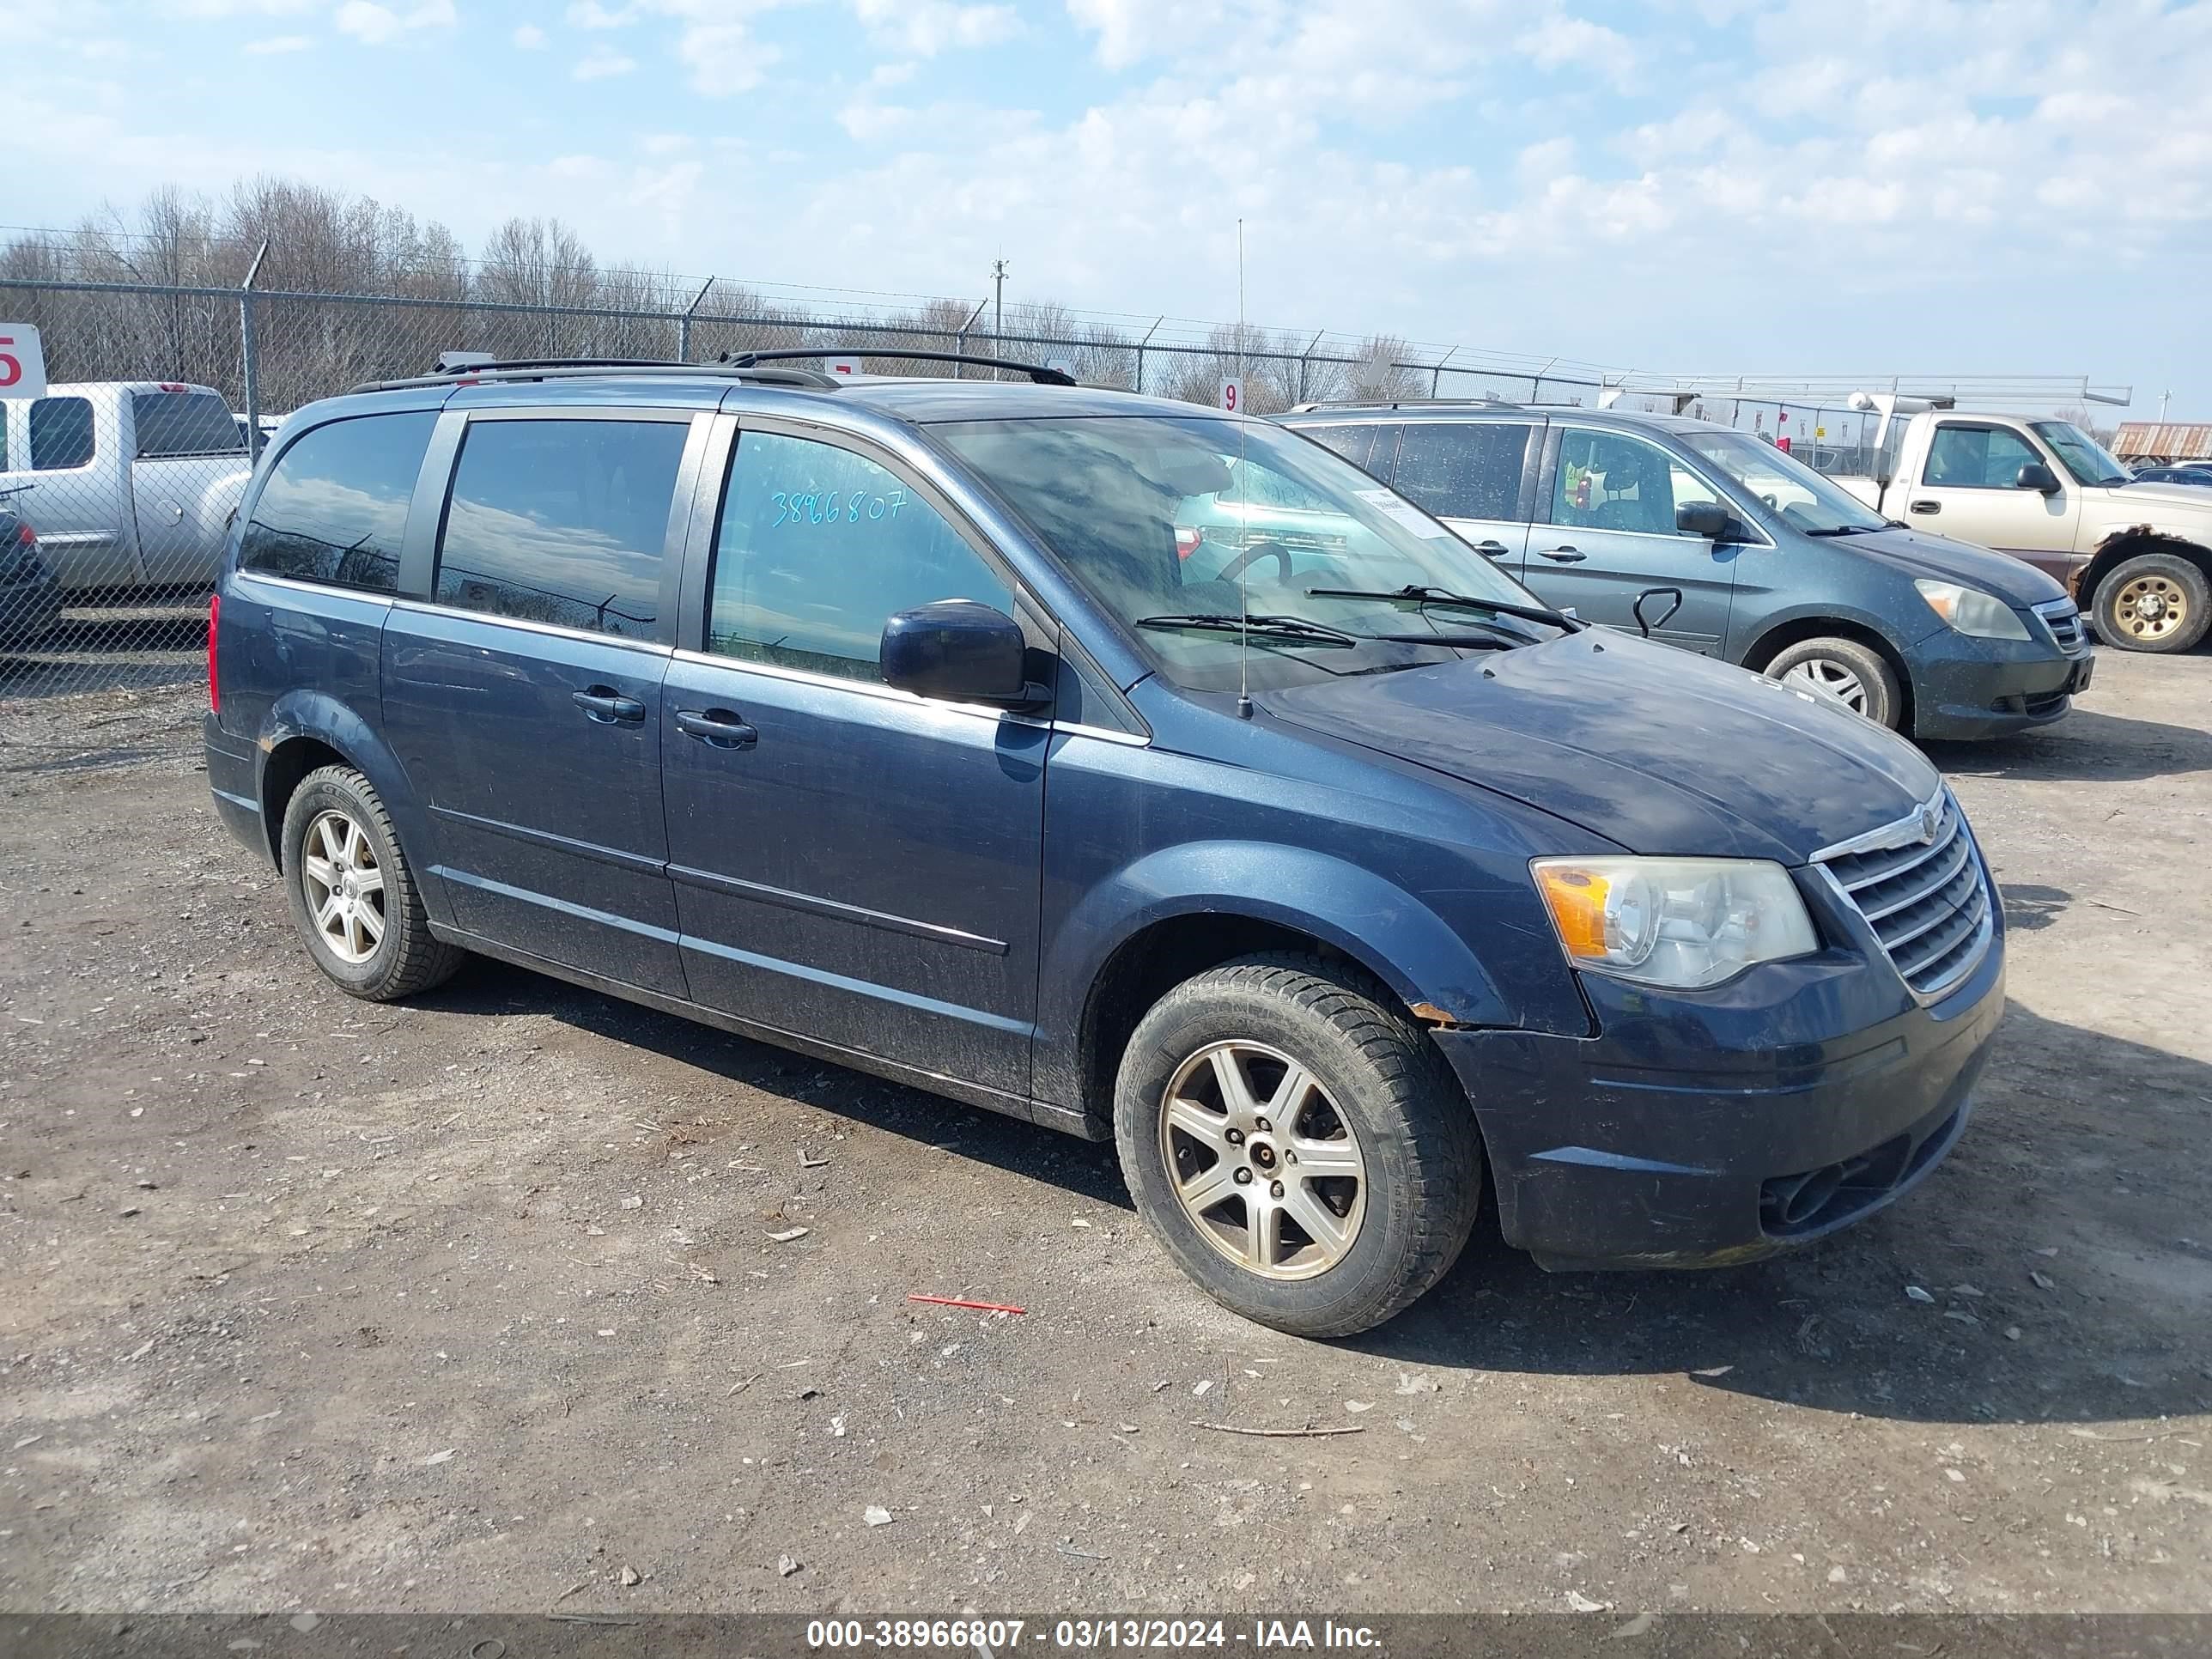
2064,621
1928,902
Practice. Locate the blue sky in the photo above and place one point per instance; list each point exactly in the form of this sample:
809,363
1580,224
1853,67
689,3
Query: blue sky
1686,186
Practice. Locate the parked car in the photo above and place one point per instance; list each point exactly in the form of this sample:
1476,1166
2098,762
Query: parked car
1774,567
137,480
2199,473
2136,556
30,602
880,719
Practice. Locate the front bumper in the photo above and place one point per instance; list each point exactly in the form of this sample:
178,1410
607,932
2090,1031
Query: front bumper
1964,687
1704,1132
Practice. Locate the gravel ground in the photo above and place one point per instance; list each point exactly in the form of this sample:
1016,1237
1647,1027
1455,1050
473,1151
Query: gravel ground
499,1300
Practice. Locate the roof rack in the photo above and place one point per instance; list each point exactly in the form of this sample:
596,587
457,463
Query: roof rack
1042,374
1402,403
566,369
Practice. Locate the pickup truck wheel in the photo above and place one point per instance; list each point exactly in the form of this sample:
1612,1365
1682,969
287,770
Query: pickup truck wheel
2153,602
353,894
1853,674
1298,1143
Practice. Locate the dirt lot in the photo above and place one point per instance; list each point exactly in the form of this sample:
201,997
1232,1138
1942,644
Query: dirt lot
476,1304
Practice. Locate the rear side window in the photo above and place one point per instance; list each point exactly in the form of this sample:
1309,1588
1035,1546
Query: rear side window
1978,457
818,547
1464,469
1355,443
184,423
563,522
61,434
335,507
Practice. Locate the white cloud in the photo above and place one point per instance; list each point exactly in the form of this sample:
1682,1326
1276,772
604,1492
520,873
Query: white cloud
376,25
926,27
601,64
1577,45
591,15
530,37
275,44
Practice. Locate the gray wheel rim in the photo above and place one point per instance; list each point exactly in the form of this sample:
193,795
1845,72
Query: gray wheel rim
1262,1161
344,887
1831,678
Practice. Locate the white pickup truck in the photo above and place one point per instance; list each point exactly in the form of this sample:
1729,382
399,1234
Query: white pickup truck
2137,558
132,484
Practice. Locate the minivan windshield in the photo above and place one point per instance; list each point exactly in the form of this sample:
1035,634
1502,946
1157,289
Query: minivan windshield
1801,497
2089,461
1184,527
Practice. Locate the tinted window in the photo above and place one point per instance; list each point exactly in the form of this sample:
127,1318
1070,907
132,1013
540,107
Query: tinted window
562,521
819,547
1355,443
184,423
1462,470
335,506
1978,457
1610,481
61,434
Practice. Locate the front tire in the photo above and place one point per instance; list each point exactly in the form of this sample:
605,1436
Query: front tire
352,893
2157,602
1854,675
1298,1143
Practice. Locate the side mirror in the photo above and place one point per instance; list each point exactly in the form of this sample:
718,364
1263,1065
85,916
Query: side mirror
957,650
1706,519
2036,477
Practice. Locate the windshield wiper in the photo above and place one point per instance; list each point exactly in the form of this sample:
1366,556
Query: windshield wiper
1276,630
1417,594
1852,529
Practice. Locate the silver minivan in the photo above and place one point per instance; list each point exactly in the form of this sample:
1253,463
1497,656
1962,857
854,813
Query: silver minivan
1716,540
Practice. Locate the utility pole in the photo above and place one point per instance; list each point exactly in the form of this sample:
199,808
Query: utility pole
2162,397
998,311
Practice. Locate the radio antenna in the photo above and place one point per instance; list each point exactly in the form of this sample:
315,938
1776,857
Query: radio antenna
1243,504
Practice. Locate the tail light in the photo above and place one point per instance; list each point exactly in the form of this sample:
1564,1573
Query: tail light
215,686
25,535
1187,540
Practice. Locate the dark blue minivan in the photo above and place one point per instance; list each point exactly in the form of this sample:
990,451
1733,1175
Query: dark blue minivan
883,718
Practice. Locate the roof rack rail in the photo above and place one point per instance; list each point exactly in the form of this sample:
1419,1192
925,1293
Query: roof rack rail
1402,403
1042,374
562,368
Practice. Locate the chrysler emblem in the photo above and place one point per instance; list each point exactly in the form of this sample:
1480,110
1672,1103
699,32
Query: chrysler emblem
1928,819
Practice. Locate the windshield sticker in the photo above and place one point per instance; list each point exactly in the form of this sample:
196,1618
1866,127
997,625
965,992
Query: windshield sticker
834,506
1411,517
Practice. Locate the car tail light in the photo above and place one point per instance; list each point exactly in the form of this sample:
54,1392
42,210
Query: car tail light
1187,540
25,535
215,686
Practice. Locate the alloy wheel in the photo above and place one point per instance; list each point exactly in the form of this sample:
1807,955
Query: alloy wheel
344,886
1262,1161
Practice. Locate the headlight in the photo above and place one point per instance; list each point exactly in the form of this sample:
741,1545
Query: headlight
1679,922
1970,610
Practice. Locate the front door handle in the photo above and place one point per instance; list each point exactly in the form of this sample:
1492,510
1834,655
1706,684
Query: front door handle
717,728
1495,549
1566,554
1928,507
608,706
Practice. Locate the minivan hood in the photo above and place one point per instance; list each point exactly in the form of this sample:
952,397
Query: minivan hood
1655,749
1919,553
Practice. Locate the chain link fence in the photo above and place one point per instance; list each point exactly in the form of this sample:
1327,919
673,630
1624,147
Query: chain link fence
161,396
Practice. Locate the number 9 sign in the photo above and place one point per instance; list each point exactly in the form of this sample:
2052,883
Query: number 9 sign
23,362
1232,397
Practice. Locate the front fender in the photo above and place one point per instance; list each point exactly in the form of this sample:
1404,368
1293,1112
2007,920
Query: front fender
1426,964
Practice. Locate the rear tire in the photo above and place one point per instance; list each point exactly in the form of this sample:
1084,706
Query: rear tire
1855,675
1363,1164
2156,602
352,893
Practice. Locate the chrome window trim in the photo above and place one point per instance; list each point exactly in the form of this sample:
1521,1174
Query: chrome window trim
379,595
432,607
